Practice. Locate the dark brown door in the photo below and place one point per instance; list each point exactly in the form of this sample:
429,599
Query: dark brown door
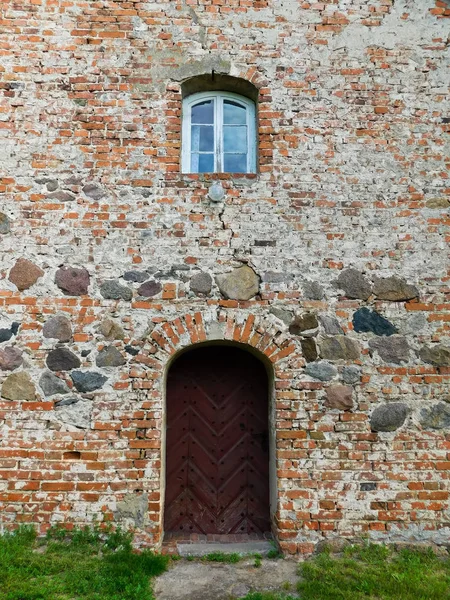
217,459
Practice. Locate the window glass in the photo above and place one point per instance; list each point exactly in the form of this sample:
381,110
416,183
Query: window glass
202,163
203,112
235,138
234,113
202,138
235,163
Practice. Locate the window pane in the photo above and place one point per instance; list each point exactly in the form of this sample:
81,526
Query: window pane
233,113
234,139
202,163
202,138
235,163
203,112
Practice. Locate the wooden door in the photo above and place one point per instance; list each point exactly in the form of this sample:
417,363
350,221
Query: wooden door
217,453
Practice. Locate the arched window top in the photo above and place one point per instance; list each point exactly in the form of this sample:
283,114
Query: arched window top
219,133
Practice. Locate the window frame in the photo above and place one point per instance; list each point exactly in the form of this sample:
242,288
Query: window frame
218,98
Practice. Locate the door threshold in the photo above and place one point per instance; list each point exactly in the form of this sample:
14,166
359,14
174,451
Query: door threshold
202,545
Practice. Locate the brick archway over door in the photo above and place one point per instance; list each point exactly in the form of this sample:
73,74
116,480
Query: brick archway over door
217,463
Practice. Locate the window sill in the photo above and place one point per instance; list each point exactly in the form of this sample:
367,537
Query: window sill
239,179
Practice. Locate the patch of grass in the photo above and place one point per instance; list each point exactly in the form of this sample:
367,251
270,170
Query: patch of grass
223,557
87,564
375,572
267,596
258,560
274,554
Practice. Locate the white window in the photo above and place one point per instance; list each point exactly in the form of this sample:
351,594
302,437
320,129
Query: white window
219,134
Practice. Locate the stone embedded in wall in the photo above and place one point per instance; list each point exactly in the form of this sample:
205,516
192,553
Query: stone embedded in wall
354,284
77,414
282,313
112,290
313,290
132,350
93,191
59,328
322,370
10,358
62,359
109,357
66,401
339,347
438,355
7,333
365,320
330,324
394,289
73,281
201,283
276,277
18,386
439,202
305,325
51,385
111,330
340,397
393,349
388,417
149,289
351,374
5,224
240,284
309,349
135,276
24,274
435,417
62,196
88,381
133,509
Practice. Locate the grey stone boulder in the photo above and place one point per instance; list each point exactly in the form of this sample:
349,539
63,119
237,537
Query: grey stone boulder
239,284
93,191
149,289
112,290
18,386
135,276
10,358
330,325
59,328
340,397
7,333
322,370
66,401
76,414
438,355
392,349
201,283
339,347
51,385
109,357
435,417
354,284
365,320
62,196
88,381
313,290
73,281
62,359
111,330
303,324
309,349
351,374
394,289
388,417
24,274
5,224
133,510
282,314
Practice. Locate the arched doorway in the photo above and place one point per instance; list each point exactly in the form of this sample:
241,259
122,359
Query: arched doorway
217,443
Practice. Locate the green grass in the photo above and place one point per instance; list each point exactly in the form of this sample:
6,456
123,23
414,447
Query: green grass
86,564
370,572
375,572
222,557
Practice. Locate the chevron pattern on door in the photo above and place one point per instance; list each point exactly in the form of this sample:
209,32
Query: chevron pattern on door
217,453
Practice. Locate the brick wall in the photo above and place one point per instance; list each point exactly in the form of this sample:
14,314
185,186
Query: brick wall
344,228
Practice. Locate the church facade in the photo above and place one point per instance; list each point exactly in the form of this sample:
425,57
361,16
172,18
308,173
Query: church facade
224,239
